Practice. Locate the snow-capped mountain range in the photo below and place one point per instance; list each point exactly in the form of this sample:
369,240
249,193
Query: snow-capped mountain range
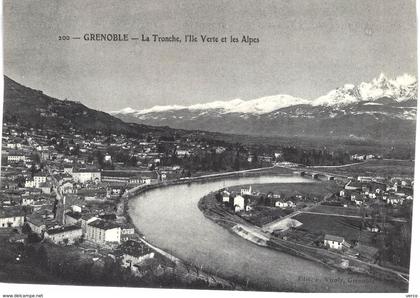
382,102
401,89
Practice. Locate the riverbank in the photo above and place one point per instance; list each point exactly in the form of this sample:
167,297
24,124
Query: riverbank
232,222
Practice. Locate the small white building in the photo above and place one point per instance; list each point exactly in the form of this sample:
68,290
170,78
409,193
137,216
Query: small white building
334,242
29,183
239,203
225,196
245,191
281,204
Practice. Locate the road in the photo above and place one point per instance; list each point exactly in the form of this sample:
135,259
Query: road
351,216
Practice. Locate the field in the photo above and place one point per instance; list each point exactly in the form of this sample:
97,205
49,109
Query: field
383,168
262,215
349,228
338,210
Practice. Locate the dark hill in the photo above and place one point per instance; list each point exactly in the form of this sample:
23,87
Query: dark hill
33,108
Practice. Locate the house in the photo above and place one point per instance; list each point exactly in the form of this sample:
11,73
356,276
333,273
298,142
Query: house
182,153
239,203
358,202
67,187
291,204
11,217
373,228
127,231
133,252
39,224
225,196
281,204
335,242
39,179
64,234
29,183
27,200
102,232
245,191
46,187
364,179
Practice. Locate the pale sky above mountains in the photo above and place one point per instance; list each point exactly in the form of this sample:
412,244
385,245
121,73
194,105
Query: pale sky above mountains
306,48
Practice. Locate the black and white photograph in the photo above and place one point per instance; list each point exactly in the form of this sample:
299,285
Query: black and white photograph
231,145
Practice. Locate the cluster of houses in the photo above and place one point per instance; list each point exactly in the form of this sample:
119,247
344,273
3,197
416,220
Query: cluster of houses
361,157
366,190
246,200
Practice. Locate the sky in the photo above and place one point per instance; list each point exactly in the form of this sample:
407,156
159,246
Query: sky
305,48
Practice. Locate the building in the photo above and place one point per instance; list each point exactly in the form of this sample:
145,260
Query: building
239,203
133,252
64,235
15,158
182,153
40,223
246,191
29,183
335,242
127,231
225,196
102,232
281,204
85,219
11,217
67,187
72,218
85,175
39,179
364,179
46,187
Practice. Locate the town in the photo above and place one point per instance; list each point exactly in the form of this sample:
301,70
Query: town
67,191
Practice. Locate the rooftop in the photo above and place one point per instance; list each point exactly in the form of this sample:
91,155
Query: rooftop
63,229
75,215
135,248
11,212
103,224
333,238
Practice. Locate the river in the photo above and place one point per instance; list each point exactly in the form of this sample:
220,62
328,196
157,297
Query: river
170,219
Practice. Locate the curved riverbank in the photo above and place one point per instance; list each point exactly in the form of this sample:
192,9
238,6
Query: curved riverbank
232,222
169,218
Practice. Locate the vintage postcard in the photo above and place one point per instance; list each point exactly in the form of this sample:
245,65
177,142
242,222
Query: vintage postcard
235,145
